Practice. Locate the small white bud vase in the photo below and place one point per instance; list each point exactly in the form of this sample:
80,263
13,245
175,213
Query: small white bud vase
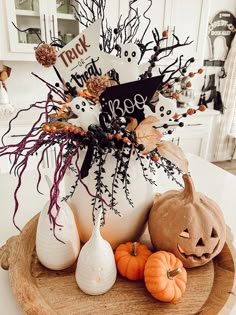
61,253
96,268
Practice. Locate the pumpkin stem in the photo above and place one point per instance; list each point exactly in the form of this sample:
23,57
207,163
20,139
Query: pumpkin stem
172,273
189,191
134,249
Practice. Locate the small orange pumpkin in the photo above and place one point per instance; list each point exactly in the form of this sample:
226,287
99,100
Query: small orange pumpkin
165,277
131,259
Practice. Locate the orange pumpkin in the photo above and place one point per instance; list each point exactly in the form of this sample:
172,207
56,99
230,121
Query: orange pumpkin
131,259
165,277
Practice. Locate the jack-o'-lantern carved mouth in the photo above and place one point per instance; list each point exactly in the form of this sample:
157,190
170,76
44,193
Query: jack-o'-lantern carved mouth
204,256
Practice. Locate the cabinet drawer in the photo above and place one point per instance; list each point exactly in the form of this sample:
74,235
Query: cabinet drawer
191,128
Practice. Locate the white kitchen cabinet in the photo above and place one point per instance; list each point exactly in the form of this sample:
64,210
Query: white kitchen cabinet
189,18
198,134
49,19
157,14
180,17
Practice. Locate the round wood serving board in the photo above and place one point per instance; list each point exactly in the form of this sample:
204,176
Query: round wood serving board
211,289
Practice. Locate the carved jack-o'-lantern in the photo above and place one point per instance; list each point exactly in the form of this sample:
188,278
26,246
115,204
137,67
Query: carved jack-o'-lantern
188,224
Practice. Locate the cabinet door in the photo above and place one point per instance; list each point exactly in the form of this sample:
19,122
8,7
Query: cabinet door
62,22
195,145
49,19
189,18
26,14
158,17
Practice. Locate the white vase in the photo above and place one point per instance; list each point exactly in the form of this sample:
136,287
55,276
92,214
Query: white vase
52,253
61,253
96,267
130,224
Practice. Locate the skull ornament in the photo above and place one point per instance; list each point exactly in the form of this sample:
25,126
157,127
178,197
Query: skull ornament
188,224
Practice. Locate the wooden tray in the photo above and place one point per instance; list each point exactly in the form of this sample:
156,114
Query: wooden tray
211,289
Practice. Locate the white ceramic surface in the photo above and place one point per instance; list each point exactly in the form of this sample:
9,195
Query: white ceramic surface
52,253
96,267
129,225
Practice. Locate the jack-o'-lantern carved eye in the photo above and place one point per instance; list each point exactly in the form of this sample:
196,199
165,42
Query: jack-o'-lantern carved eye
185,234
214,233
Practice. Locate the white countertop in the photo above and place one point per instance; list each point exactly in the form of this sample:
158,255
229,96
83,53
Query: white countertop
208,178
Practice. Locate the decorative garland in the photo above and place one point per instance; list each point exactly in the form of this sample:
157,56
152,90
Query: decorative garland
120,136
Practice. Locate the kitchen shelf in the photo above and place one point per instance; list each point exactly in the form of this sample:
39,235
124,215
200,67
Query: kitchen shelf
27,13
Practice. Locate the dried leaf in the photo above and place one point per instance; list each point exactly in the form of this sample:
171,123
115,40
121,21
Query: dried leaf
174,153
132,124
147,135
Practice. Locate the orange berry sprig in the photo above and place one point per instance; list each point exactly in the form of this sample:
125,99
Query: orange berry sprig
155,158
165,34
190,111
187,85
58,126
202,108
192,74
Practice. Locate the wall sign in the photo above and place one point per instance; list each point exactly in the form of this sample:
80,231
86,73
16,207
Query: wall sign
81,58
224,25
129,99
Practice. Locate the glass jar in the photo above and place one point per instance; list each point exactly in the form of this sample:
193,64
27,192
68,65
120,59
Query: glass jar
68,37
64,6
33,36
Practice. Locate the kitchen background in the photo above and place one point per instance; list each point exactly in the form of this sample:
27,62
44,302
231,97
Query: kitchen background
24,89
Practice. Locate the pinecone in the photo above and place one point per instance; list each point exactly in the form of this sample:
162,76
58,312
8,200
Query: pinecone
97,84
46,55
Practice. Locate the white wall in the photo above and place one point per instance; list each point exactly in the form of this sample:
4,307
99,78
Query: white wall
24,89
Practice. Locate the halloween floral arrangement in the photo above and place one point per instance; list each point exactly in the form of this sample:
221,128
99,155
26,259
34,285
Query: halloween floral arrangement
107,118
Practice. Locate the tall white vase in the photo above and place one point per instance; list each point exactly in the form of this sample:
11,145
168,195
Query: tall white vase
129,225
52,253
